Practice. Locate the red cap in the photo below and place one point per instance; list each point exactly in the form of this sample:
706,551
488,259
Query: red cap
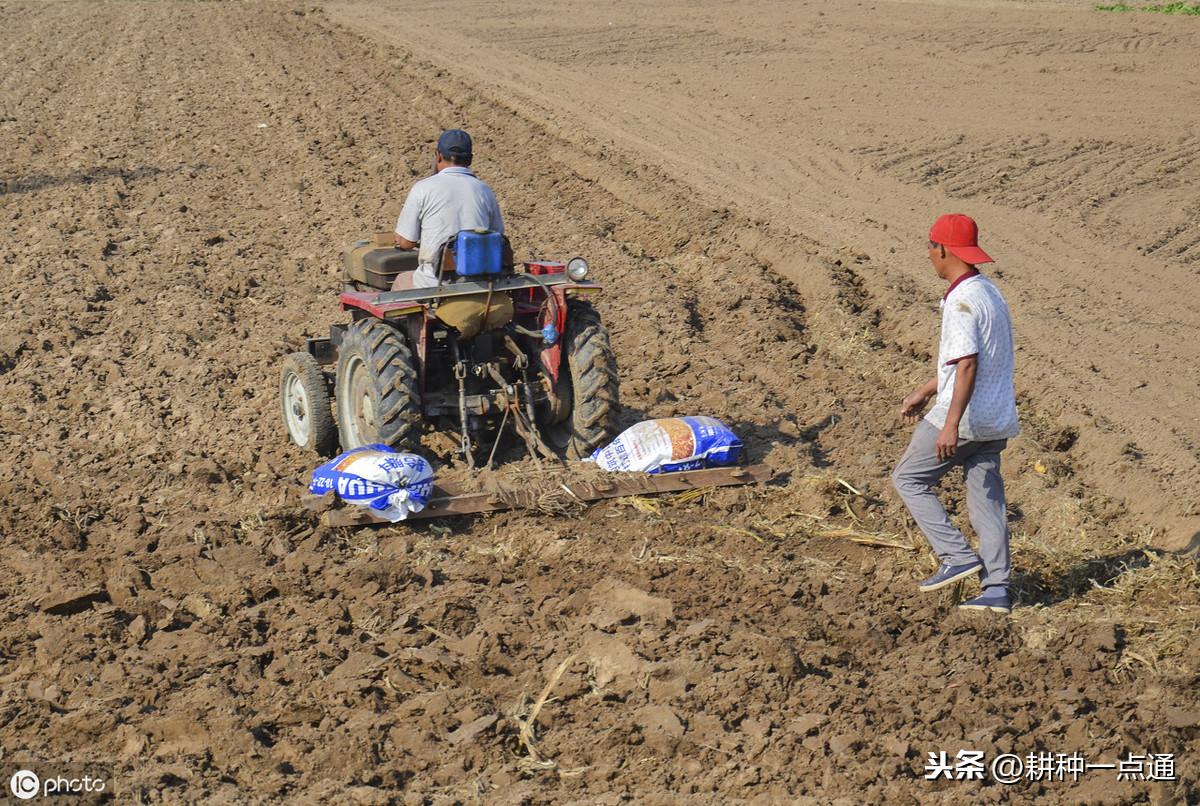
960,235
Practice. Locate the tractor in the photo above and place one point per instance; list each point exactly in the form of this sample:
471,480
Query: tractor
493,342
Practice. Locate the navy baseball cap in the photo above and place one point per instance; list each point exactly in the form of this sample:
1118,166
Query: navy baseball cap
454,143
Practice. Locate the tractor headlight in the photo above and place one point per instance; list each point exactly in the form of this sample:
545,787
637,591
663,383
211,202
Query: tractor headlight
577,268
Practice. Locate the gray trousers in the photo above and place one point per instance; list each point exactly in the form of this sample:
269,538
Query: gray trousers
917,473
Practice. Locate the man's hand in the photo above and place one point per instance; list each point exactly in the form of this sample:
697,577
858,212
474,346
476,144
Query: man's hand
912,406
947,442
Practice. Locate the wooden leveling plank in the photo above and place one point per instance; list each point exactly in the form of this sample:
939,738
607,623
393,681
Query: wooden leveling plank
450,502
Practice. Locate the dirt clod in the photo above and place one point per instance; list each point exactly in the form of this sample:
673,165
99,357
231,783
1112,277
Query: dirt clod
70,602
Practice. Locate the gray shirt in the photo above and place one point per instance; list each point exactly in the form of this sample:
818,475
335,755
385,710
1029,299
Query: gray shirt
438,208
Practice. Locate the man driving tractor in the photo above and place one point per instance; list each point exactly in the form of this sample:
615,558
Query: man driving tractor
440,206
445,331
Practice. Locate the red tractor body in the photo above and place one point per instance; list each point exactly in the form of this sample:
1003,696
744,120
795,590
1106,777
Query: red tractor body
470,353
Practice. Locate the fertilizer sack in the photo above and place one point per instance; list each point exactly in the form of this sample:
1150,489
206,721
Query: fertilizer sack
676,443
390,483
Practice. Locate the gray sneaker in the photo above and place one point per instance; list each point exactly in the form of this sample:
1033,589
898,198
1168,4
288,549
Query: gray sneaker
949,574
995,602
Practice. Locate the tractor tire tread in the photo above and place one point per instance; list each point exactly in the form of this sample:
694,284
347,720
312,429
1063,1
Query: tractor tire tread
386,354
594,378
323,435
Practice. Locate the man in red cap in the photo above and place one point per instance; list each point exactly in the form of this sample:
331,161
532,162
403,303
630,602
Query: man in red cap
973,417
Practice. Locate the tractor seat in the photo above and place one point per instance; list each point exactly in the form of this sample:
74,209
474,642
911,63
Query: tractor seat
372,265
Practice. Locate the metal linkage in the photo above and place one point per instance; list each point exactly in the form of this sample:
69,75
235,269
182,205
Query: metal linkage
460,373
450,500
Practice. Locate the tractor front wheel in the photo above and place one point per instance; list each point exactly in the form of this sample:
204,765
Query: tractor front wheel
304,397
588,384
378,400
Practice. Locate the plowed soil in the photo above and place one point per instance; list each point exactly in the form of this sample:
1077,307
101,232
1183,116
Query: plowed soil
752,184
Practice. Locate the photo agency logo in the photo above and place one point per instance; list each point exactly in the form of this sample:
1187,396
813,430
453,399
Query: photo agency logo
80,783
25,784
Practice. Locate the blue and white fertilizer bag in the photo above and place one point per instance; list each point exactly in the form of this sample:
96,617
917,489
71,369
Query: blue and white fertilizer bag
392,484
668,445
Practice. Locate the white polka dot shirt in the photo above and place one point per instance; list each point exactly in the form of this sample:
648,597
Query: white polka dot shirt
976,322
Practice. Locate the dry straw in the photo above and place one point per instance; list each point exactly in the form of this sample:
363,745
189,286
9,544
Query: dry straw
534,761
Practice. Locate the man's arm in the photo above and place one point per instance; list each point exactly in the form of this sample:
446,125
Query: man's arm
964,387
408,225
911,406
495,222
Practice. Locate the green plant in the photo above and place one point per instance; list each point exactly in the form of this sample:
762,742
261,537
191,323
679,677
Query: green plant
1190,9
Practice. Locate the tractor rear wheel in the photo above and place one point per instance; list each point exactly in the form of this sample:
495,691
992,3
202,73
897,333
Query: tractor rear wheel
587,386
304,398
378,400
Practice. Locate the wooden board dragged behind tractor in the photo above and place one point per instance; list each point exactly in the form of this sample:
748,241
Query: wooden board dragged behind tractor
447,500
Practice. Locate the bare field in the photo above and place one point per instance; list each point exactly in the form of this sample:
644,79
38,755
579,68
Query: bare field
839,131
752,183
